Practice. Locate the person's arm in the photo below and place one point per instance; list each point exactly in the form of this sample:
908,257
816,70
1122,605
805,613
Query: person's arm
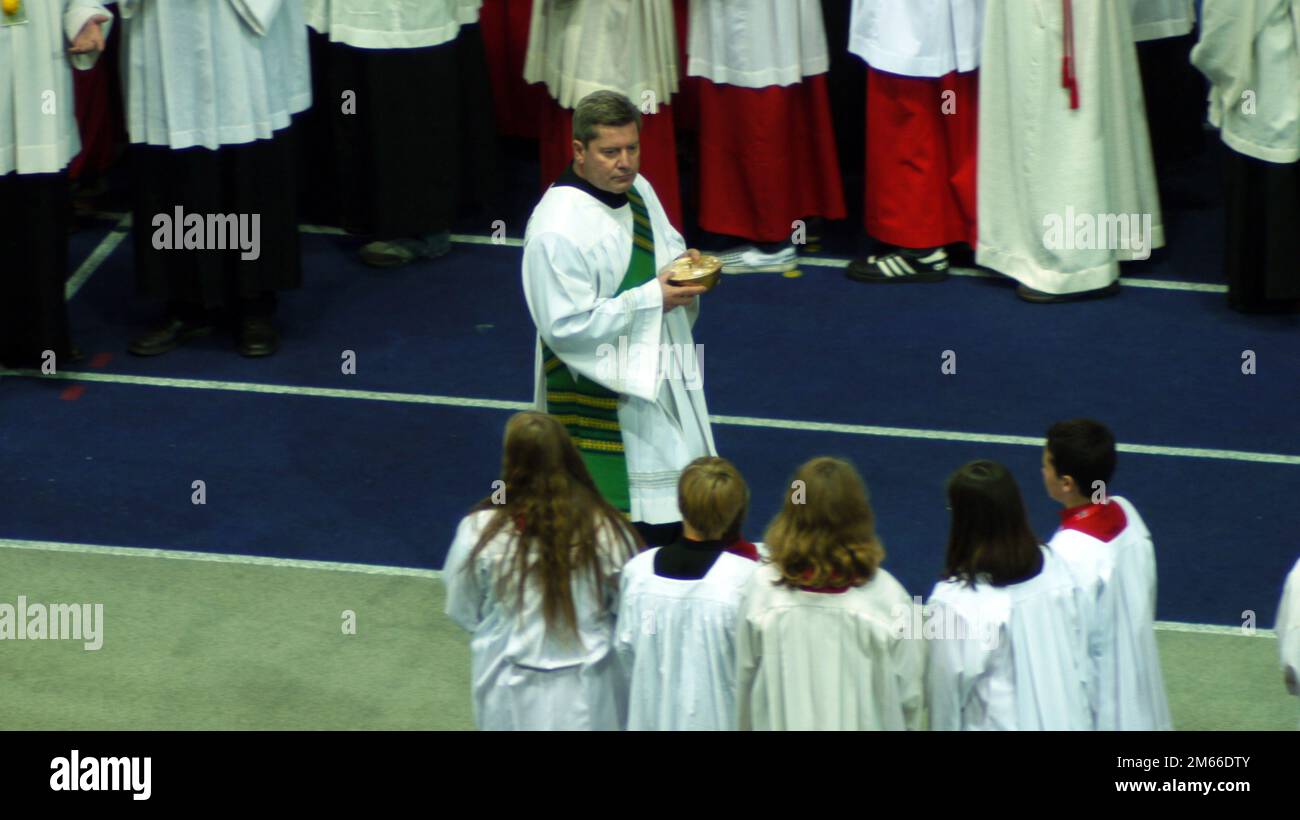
1288,631
257,14
86,24
464,593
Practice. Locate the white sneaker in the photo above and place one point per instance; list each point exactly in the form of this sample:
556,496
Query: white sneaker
749,259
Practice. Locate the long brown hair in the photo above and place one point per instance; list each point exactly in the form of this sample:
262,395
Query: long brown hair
825,534
555,516
990,537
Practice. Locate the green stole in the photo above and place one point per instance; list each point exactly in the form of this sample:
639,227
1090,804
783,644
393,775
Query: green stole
589,411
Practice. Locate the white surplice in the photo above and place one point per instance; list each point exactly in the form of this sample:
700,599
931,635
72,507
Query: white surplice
576,253
1012,657
1042,164
220,72
384,24
1118,578
1249,50
580,46
918,38
523,677
1288,630
1157,19
676,640
756,43
826,660
38,125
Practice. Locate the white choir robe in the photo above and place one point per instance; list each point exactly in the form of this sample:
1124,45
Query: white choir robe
522,678
1249,50
384,24
676,640
1016,657
825,660
756,43
34,63
1288,630
1157,19
576,253
918,38
580,46
250,76
1044,166
1118,578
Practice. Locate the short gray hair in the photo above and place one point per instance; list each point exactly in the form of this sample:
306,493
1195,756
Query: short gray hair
607,108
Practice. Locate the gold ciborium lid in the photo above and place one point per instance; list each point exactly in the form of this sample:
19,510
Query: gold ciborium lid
704,272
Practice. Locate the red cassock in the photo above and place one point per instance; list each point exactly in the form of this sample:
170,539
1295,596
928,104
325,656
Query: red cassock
767,158
504,24
921,158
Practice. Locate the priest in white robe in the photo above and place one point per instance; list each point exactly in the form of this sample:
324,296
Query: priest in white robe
1011,658
615,356
1067,187
211,137
1250,53
41,41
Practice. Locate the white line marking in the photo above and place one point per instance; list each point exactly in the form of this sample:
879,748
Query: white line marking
1125,281
217,558
102,251
738,421
378,569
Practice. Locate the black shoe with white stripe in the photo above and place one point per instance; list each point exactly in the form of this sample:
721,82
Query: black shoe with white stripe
903,265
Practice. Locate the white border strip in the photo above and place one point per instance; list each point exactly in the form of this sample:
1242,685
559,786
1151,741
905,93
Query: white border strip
102,251
428,574
218,558
738,421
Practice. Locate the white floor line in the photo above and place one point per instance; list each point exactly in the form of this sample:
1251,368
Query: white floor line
1155,284
738,421
101,252
217,558
375,569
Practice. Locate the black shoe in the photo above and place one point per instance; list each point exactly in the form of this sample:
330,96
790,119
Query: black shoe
1038,297
258,337
168,337
900,266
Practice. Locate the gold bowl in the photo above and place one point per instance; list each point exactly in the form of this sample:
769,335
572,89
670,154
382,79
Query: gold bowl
704,272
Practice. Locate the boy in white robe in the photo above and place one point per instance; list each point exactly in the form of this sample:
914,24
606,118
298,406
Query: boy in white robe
678,608
615,357
1064,154
40,43
1109,551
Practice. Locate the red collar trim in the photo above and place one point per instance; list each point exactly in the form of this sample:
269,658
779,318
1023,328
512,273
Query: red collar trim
1102,521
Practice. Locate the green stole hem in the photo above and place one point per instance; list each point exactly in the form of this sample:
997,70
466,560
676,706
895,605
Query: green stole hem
589,411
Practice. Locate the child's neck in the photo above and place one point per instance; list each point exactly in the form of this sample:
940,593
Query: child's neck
692,534
1075,500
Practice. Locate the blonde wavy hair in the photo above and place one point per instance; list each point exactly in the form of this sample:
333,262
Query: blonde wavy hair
825,534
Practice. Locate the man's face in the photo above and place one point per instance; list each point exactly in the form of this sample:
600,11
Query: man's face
612,160
1053,483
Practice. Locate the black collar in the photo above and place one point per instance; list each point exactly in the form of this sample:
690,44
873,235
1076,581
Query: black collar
572,180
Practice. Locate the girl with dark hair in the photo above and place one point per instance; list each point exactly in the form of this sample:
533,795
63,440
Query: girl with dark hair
533,573
1005,628
818,645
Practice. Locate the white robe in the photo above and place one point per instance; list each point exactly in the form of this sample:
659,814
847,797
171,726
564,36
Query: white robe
384,24
523,678
580,46
1119,580
676,640
38,125
918,38
1042,164
220,72
827,661
576,253
756,43
1288,629
1016,657
1157,19
1250,52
